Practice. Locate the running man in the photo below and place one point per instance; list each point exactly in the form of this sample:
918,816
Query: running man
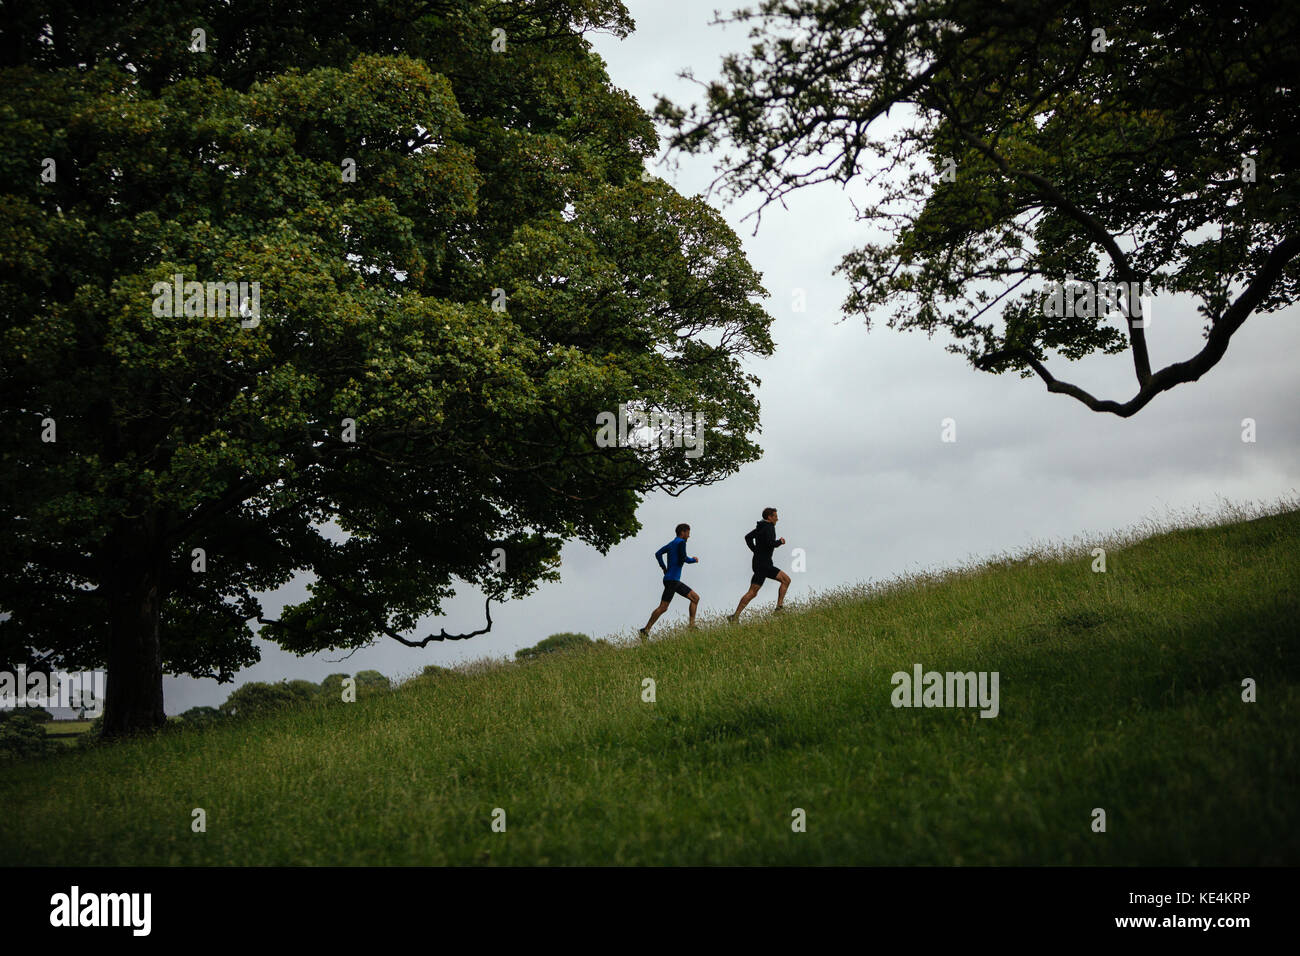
675,551
763,541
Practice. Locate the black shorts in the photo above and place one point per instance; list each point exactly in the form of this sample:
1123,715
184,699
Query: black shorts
674,587
763,573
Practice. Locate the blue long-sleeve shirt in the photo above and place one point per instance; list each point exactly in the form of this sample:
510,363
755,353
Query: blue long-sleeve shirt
675,550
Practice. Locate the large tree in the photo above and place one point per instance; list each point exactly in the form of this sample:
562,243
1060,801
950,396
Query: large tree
461,264
1009,149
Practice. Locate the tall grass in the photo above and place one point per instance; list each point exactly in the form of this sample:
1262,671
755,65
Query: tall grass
1120,691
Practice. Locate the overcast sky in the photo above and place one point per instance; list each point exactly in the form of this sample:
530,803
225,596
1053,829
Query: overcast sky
853,456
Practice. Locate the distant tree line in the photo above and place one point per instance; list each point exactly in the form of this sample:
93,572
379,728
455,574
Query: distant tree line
260,697
22,733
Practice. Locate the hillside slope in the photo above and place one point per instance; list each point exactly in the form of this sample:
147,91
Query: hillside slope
1119,690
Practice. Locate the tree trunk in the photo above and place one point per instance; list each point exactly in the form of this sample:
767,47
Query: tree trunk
135,690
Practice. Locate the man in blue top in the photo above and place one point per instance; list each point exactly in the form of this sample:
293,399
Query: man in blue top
675,552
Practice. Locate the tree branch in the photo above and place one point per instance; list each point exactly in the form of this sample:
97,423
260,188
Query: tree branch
1100,234
1180,372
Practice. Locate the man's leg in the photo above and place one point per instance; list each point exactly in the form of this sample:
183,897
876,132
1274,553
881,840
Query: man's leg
695,602
654,616
745,599
785,583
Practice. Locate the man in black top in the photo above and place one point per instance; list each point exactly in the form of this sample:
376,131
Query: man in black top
763,541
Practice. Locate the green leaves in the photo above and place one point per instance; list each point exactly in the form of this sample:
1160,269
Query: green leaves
458,267
1163,152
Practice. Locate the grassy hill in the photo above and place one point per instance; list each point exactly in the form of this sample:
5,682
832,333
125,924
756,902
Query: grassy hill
1119,690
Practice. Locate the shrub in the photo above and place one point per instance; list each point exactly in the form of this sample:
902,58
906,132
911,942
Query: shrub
331,688
37,715
21,736
258,697
556,642
372,682
200,716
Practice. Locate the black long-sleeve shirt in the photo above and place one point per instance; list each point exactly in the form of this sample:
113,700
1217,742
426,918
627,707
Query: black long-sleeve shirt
762,541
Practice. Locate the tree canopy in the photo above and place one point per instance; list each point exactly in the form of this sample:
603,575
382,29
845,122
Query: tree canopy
459,263
1009,150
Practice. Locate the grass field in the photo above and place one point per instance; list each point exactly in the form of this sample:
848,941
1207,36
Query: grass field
1119,690
66,732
